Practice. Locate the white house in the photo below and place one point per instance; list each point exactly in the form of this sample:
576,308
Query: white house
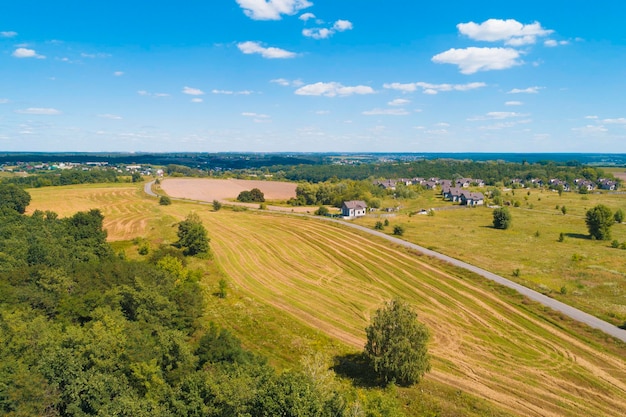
353,208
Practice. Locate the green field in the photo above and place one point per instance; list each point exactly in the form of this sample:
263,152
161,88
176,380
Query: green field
299,285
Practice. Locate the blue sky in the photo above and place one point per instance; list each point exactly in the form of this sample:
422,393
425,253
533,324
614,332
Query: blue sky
313,76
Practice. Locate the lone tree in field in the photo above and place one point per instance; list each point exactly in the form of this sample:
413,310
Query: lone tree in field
253,196
619,216
501,218
599,221
14,197
192,236
396,344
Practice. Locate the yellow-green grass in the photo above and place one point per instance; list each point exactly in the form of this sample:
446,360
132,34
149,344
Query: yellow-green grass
588,274
300,284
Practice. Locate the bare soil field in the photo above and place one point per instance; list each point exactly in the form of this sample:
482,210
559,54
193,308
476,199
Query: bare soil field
224,190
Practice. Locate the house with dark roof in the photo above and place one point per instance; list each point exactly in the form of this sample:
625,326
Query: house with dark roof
353,208
468,198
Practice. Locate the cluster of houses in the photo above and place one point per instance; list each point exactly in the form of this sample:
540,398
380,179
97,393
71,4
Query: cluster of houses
583,184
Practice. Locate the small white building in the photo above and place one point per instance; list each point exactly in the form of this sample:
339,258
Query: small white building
354,208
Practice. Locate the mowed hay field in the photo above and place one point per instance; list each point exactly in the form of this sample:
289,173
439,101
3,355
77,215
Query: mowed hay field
486,342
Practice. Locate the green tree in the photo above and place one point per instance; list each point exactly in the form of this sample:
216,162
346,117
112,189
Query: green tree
398,230
322,211
14,197
599,220
619,216
501,218
165,200
217,205
397,344
192,236
136,177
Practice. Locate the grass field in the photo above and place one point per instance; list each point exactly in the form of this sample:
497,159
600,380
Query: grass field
590,275
297,284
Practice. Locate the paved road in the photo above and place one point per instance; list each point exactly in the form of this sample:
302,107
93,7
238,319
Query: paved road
570,311
556,305
148,189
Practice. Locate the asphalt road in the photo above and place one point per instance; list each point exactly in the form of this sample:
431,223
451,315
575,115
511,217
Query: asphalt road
556,305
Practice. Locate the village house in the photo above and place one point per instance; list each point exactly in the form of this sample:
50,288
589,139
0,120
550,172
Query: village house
353,208
468,198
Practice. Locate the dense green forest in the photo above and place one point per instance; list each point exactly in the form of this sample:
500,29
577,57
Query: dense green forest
490,172
65,177
84,332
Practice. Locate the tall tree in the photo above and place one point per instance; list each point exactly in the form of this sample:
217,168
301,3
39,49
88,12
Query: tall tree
192,236
501,218
14,197
397,344
599,220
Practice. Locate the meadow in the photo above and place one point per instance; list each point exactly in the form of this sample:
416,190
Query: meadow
298,285
588,274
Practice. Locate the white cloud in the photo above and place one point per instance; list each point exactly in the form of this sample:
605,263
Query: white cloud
196,100
192,91
529,90
8,34
619,121
551,43
230,92
324,33
39,110
497,115
307,16
386,112
281,81
110,116
332,89
342,25
510,31
317,33
399,102
250,47
429,88
96,55
590,129
471,60
272,9
148,94
513,103
4,100
257,115
26,53
118,73
591,117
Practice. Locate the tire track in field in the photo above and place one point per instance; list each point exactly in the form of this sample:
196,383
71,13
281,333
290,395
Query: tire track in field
284,274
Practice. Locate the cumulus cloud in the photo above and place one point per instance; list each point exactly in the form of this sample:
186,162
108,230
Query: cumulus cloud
386,112
251,47
510,31
399,102
8,34
230,92
551,43
473,59
428,88
306,16
529,90
26,53
497,115
272,9
192,91
39,110
332,89
323,33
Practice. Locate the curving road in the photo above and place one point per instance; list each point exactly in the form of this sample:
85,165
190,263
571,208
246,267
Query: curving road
556,305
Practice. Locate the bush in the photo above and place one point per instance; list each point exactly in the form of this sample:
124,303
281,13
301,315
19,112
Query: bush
619,216
253,196
217,205
379,225
398,230
322,211
165,200
599,221
501,218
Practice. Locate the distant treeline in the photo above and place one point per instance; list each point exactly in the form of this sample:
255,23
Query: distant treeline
64,177
490,172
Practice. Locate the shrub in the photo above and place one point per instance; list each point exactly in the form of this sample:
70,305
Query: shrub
322,211
217,205
165,200
501,218
379,225
398,230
